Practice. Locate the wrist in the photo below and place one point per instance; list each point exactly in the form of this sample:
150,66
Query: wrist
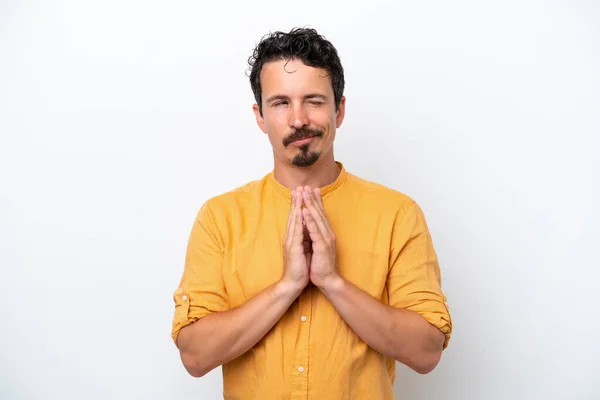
288,289
332,284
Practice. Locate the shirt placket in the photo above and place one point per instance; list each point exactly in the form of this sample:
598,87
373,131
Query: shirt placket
301,361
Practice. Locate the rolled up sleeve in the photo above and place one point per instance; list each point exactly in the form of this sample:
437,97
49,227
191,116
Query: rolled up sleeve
414,281
201,290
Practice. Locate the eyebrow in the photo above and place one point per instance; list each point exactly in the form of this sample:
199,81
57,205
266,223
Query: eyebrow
307,97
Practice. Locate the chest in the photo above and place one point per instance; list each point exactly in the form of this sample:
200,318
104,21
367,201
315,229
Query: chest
254,252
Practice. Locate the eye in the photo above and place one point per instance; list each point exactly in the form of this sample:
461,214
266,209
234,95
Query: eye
279,103
316,102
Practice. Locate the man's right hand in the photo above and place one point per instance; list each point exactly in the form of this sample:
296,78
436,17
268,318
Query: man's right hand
296,253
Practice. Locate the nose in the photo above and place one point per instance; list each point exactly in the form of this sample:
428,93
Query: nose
299,117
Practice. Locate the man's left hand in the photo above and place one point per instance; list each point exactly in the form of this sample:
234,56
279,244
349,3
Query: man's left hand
323,271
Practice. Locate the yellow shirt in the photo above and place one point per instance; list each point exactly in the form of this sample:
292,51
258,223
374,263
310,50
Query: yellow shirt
383,247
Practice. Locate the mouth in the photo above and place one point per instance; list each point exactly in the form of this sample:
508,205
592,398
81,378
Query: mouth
302,142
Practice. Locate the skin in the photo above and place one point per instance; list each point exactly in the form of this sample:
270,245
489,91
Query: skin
299,99
295,97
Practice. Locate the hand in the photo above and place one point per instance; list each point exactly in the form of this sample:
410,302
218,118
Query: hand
323,269
296,261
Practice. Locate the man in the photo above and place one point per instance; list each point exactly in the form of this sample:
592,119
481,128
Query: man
310,282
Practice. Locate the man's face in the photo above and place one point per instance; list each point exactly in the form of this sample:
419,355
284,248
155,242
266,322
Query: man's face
299,114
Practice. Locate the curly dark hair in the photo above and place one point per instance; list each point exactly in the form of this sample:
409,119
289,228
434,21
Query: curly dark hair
304,44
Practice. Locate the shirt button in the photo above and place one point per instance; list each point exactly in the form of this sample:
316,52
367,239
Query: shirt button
301,369
184,297
303,318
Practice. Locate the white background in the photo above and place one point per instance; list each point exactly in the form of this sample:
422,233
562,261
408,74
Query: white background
119,118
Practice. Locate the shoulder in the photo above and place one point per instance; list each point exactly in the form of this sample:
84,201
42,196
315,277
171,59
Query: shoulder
379,195
401,211
235,199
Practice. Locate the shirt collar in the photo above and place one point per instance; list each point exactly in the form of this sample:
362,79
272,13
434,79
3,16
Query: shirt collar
286,192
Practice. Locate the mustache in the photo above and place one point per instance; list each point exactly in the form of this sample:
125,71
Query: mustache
302,133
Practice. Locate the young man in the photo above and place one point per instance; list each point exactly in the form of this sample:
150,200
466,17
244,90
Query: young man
310,282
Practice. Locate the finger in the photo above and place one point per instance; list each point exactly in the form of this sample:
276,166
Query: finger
292,219
311,225
317,215
301,204
298,229
317,231
297,234
312,197
319,199
291,213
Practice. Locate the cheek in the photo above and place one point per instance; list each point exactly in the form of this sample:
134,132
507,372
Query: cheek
329,128
323,121
276,130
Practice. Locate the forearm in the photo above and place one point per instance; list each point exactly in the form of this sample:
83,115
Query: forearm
398,333
220,337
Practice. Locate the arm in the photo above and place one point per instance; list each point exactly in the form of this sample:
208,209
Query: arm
415,327
394,332
222,336
205,330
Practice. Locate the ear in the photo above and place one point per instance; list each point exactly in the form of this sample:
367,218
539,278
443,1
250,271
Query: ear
341,111
259,119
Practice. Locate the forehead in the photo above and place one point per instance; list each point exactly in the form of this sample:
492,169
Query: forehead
293,77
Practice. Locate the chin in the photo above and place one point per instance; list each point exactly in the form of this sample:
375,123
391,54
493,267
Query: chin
306,158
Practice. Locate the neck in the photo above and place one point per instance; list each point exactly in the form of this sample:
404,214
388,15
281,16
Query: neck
324,172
